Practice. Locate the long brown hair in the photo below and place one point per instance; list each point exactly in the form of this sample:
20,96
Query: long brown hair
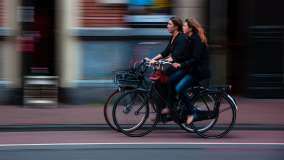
177,22
197,29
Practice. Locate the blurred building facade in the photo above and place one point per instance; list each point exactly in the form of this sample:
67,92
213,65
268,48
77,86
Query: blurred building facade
256,47
81,41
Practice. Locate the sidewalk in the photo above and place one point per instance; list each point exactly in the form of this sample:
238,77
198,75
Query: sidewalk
252,112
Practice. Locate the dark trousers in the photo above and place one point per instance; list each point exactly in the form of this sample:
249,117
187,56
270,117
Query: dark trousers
178,84
163,88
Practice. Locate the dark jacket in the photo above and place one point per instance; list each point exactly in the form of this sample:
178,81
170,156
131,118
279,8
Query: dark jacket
176,49
196,60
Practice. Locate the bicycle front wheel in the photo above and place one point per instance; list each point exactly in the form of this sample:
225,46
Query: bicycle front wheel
216,109
134,109
108,106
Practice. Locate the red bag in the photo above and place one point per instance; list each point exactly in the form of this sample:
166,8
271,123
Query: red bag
159,76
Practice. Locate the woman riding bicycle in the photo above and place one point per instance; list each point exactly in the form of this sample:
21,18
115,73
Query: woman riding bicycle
175,48
194,67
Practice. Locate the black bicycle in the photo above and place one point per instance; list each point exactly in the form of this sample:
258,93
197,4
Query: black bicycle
216,111
128,80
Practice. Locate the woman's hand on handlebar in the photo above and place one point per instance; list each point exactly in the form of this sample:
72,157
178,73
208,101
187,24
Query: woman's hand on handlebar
153,62
176,65
169,59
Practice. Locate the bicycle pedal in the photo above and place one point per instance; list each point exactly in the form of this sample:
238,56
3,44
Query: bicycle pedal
166,119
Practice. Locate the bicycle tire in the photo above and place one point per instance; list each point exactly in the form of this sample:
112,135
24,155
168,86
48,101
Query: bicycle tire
196,108
147,128
108,109
225,120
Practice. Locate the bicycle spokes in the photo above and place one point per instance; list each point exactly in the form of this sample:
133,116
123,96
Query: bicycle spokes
213,121
141,118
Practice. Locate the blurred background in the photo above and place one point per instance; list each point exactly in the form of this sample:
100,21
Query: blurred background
64,51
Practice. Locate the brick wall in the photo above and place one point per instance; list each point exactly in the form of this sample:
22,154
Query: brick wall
1,13
94,14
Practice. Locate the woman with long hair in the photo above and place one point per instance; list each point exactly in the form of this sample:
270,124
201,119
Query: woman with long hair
175,48
194,67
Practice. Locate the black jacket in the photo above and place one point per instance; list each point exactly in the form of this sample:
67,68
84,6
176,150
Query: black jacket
177,47
195,61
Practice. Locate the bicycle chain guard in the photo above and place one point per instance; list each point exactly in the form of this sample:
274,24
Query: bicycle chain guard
177,119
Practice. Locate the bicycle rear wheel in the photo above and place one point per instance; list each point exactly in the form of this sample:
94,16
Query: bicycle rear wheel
218,109
134,109
199,105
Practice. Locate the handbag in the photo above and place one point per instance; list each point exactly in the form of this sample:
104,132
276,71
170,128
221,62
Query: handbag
159,76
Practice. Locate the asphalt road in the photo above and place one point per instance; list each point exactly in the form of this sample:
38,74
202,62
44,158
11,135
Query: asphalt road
156,136
160,144
143,151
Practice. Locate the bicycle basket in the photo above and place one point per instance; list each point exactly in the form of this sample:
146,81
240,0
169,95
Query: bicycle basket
124,78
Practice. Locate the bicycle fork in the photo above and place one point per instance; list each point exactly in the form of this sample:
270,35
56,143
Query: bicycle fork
128,107
145,101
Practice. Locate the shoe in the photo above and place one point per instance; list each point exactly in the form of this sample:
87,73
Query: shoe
163,119
194,118
166,111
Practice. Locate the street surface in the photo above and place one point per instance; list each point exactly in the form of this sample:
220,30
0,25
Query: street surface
80,132
159,144
251,112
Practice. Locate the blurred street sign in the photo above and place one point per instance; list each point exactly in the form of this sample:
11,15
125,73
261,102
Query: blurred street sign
25,43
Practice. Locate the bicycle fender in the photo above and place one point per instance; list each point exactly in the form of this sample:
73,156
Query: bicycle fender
233,101
141,89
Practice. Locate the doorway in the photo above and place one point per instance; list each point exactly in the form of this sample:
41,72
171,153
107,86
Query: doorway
37,39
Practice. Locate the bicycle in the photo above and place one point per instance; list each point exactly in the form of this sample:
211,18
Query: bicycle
208,105
128,80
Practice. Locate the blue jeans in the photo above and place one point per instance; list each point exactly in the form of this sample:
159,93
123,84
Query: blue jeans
178,84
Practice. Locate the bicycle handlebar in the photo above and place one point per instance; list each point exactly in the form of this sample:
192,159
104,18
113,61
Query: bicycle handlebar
160,62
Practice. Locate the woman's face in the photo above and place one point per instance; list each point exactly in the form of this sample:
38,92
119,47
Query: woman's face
186,29
171,27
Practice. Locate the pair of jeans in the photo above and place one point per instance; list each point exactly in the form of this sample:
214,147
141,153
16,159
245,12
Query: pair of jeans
163,88
178,84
